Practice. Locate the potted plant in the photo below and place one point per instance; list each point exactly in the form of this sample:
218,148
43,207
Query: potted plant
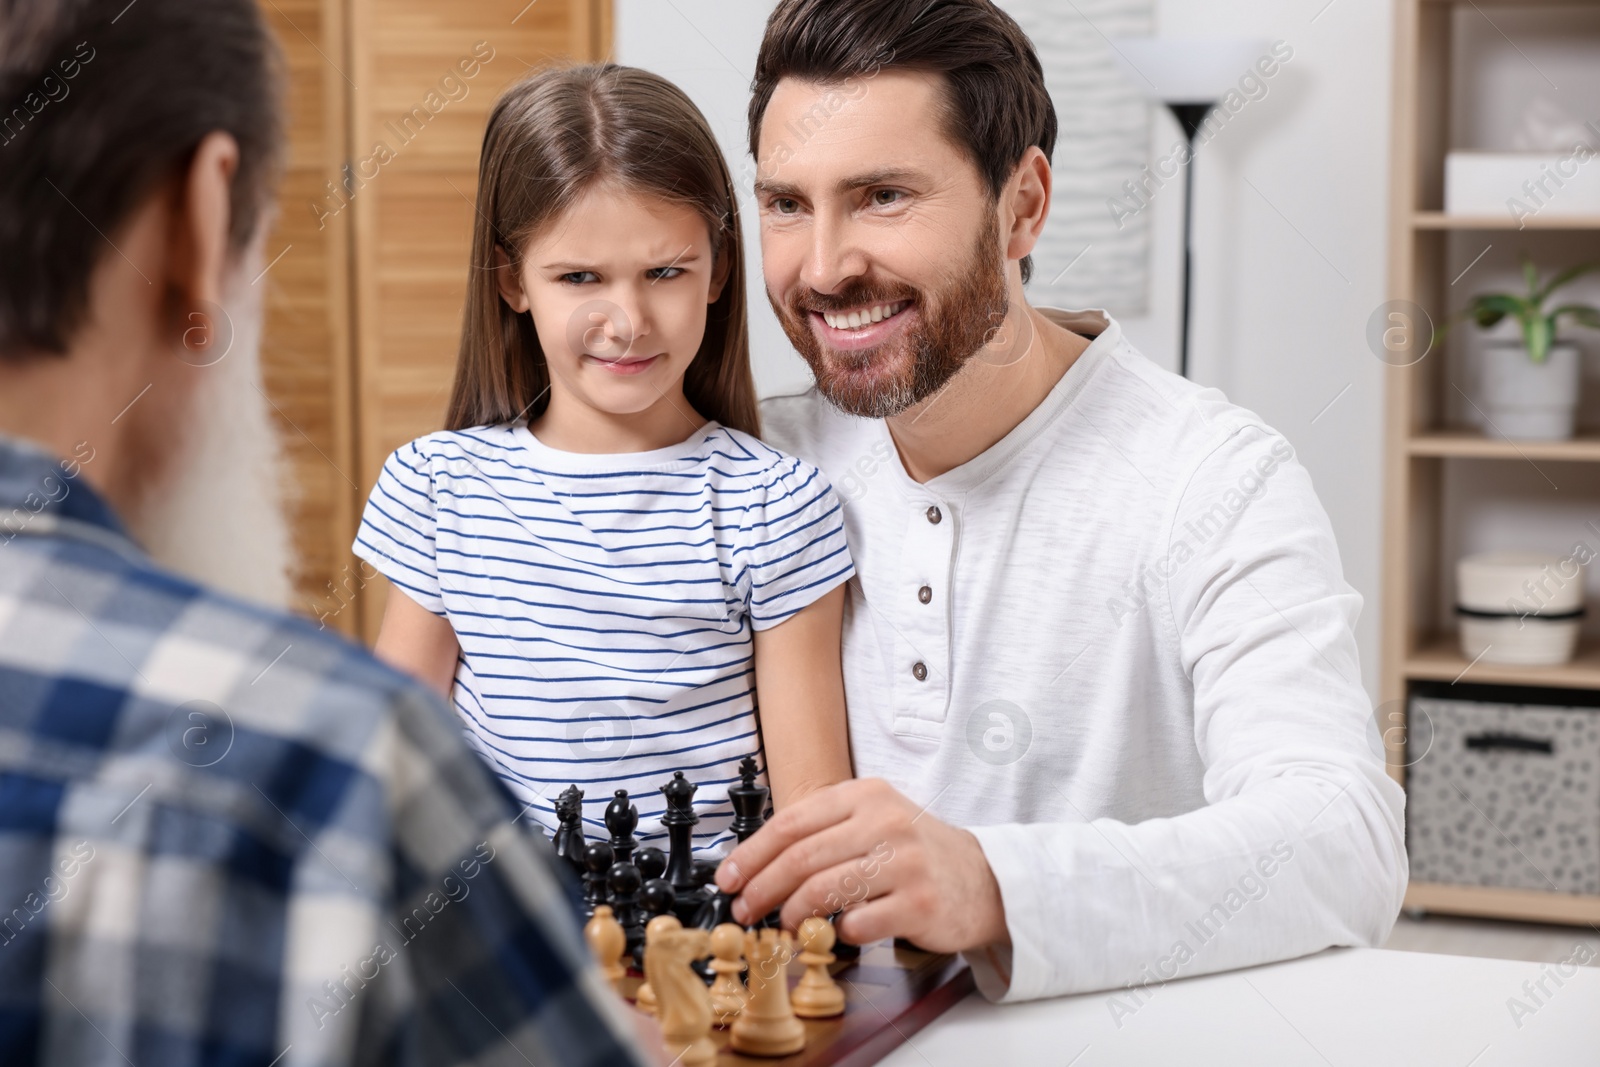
1529,387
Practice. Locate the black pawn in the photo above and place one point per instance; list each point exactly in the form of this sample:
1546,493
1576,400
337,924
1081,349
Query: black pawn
701,909
623,882
842,949
621,819
656,898
749,800
651,861
596,862
569,834
705,873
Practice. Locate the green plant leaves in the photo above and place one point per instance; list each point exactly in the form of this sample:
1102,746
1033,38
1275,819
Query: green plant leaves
1537,332
1563,278
1582,314
1539,329
1488,310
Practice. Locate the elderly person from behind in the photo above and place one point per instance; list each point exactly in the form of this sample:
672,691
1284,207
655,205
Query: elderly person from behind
224,835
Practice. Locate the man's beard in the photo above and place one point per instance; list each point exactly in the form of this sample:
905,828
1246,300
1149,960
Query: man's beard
217,513
954,323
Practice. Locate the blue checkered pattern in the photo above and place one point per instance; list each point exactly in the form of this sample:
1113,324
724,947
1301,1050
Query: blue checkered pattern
228,838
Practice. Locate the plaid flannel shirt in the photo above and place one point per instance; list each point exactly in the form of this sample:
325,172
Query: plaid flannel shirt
228,838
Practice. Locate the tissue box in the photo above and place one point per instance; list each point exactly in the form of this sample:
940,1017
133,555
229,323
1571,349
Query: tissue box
1530,816
1492,183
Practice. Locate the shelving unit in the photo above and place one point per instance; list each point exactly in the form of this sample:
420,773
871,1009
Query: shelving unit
1419,642
1438,220
1477,446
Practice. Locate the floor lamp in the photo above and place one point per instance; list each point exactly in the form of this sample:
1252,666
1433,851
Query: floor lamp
1190,75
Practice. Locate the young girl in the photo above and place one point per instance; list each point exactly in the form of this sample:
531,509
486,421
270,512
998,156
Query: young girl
597,561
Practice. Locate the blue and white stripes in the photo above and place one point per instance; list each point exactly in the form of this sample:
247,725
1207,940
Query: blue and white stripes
605,604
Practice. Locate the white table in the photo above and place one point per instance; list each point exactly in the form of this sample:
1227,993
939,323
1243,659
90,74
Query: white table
1339,1008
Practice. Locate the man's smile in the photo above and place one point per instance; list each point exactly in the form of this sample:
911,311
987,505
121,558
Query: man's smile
864,327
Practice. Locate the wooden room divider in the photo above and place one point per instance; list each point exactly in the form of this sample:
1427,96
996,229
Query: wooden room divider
368,258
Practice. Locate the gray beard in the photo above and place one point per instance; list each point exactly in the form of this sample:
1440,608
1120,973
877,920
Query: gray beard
220,515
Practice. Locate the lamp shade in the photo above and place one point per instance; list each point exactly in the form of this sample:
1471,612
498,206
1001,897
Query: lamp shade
1188,70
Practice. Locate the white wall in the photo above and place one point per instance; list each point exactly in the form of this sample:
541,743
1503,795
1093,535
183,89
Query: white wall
1291,211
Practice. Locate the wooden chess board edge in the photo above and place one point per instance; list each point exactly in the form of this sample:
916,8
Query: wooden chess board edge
953,983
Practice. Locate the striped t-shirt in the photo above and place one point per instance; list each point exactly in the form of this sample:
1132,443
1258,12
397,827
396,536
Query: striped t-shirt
605,604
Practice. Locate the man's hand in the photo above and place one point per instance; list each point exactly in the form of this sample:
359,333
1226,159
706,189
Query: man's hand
861,848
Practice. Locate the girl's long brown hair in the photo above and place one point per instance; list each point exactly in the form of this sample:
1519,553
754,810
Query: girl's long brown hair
550,138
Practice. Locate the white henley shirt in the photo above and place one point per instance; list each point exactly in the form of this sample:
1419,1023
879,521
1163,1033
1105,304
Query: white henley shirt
1118,647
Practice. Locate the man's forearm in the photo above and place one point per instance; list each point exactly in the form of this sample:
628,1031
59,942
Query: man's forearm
1288,867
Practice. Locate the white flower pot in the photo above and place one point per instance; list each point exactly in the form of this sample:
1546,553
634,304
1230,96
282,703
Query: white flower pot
1530,401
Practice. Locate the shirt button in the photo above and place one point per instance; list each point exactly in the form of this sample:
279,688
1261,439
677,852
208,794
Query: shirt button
934,516
925,594
919,671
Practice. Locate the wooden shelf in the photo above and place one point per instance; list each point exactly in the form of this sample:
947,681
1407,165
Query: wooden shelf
1512,4
1459,445
1418,486
1438,220
1440,660
1526,905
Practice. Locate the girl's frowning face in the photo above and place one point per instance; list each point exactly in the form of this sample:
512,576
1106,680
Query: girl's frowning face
618,289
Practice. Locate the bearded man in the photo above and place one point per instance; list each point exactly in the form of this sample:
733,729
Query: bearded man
1103,689
224,836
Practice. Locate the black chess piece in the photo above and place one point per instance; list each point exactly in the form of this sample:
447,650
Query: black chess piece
596,863
705,872
651,861
656,898
842,949
699,910
569,840
716,907
750,813
623,883
683,870
621,819
680,821
749,800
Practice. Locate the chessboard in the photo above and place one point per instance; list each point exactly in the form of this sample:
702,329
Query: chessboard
786,995
891,992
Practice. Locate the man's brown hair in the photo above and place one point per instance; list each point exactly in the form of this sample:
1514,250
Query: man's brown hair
99,101
996,102
551,138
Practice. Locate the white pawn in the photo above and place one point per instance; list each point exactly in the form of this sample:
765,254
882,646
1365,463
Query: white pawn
607,941
727,992
817,996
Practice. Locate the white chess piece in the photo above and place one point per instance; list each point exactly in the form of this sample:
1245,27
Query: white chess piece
727,992
817,996
767,1026
608,942
685,1004
645,998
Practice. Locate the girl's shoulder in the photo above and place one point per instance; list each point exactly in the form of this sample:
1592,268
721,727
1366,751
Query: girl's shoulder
745,456
444,446
437,461
476,439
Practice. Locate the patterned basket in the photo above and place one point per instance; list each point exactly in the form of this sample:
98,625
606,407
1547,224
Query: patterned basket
1504,794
